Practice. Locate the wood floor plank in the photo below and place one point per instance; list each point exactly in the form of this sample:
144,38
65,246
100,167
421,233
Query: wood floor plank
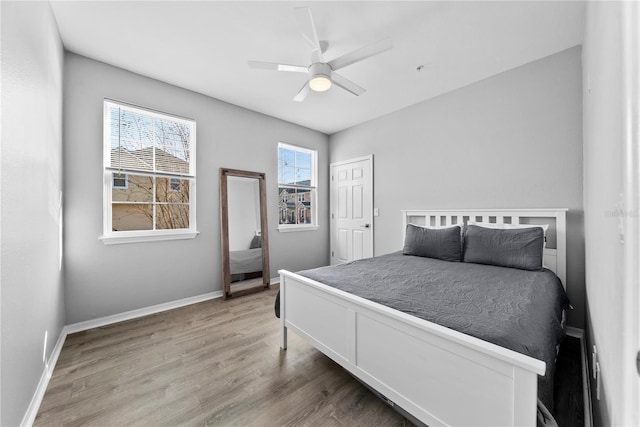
208,364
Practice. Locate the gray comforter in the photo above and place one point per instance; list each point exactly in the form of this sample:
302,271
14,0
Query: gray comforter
516,309
246,261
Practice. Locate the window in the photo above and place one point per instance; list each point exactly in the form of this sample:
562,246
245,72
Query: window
149,169
120,180
174,184
297,188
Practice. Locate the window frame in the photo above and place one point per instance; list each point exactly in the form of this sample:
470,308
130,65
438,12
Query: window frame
109,236
312,187
179,186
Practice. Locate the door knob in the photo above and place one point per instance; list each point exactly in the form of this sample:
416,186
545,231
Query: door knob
366,225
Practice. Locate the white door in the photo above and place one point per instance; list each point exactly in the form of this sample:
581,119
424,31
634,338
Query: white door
351,210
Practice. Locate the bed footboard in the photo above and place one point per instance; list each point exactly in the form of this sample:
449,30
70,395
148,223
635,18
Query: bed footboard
440,376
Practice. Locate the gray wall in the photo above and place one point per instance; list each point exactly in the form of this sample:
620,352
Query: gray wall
104,280
603,185
31,175
511,141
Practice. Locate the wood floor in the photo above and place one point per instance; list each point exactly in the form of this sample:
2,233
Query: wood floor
242,285
219,363
212,363
568,393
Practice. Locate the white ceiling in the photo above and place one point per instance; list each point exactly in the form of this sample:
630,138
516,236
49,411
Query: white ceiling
204,46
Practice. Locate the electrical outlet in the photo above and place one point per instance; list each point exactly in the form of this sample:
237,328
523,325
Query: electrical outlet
620,215
44,347
597,369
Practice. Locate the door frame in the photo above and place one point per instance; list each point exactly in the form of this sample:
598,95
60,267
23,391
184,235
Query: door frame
332,195
630,222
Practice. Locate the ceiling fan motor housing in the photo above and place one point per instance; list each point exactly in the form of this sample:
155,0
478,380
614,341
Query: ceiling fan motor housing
320,69
319,76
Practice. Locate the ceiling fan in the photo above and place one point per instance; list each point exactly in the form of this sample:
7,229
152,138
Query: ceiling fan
322,75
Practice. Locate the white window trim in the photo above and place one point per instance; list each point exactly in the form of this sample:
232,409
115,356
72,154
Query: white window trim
110,237
141,237
286,228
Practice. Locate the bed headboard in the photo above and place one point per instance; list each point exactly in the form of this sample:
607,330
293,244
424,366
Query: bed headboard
555,252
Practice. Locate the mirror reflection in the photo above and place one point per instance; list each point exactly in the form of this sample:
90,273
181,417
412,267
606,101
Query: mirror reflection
245,250
245,234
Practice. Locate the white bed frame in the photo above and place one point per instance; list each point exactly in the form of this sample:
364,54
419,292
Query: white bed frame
437,375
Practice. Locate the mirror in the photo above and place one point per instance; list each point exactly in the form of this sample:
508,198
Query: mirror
244,237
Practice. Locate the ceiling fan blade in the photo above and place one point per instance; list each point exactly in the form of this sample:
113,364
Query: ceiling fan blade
347,84
307,26
278,67
302,94
360,54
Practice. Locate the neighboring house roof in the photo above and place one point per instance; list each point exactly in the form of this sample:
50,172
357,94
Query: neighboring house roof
305,183
143,160
295,204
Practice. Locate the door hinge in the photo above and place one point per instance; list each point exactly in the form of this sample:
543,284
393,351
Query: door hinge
638,362
331,253
332,217
331,177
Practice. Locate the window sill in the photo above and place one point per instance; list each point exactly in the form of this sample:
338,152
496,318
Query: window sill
141,238
290,228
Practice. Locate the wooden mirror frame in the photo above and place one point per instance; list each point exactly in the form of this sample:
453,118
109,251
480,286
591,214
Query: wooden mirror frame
224,232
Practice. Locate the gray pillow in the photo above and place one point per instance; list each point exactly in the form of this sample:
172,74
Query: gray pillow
515,248
256,242
441,244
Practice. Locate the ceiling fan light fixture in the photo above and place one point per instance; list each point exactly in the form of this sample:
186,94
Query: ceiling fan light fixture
320,77
319,83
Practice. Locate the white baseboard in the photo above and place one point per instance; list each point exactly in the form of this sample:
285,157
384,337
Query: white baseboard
586,388
133,314
275,280
575,332
36,400
586,384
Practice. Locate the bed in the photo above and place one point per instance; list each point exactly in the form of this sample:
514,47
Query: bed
246,262
438,375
